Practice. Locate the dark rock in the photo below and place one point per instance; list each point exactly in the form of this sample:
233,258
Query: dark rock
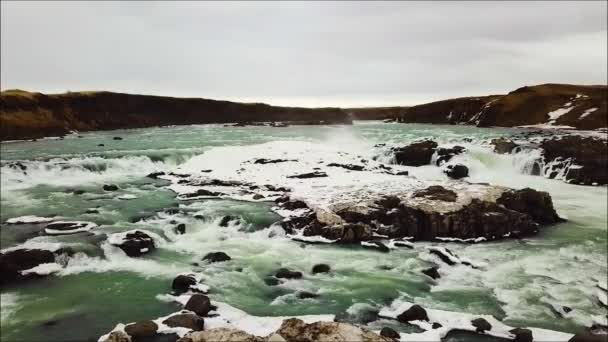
271,281
432,272
401,173
227,219
206,171
414,313
13,262
271,161
444,257
199,217
481,325
180,229
293,204
590,155
137,243
436,325
141,329
351,167
110,187
378,246
189,321
587,337
503,145
78,192
172,211
416,154
390,333
216,257
203,192
522,335
287,274
306,294
91,211
456,171
320,268
444,154
64,227
316,174
101,145
258,196
182,283
154,175
437,192
537,204
117,138
199,304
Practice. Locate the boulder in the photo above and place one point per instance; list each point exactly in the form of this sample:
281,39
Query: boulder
436,325
154,175
180,229
522,335
117,138
288,274
351,167
294,329
15,261
432,272
444,154
271,281
110,187
456,171
118,336
306,295
390,333
216,257
199,304
189,321
258,196
537,204
481,325
182,283
416,154
414,313
221,335
271,161
587,157
141,329
503,145
320,268
137,243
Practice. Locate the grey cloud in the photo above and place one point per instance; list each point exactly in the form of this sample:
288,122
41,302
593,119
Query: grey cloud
303,53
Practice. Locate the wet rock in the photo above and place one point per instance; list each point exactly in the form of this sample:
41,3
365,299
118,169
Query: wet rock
180,229
271,281
199,304
206,171
67,227
432,272
320,268
414,313
587,337
537,204
271,161
401,173
481,325
227,219
137,243
110,187
306,295
91,211
351,167
416,154
154,175
293,204
438,193
216,257
78,192
182,283
390,333
522,335
445,255
294,329
288,274
203,192
199,217
118,336
117,138
189,321
13,262
503,145
444,154
316,174
101,145
456,171
378,246
436,325
141,329
588,157
258,196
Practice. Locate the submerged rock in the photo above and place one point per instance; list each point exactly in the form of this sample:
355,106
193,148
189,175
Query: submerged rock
320,268
306,295
216,257
432,272
110,187
416,154
227,219
182,283
288,274
316,174
180,229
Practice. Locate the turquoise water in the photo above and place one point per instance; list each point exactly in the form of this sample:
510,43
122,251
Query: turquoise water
103,287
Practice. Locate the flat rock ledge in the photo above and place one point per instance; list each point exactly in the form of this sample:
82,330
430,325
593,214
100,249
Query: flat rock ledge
480,212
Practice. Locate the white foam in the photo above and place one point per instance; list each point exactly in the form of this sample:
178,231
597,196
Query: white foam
43,269
9,302
29,219
126,197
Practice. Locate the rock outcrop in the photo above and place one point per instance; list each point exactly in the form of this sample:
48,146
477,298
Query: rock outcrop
415,154
585,159
12,263
294,329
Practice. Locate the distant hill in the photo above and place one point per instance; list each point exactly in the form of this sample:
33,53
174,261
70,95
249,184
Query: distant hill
26,115
582,107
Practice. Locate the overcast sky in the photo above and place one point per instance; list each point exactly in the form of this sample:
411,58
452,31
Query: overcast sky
303,53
